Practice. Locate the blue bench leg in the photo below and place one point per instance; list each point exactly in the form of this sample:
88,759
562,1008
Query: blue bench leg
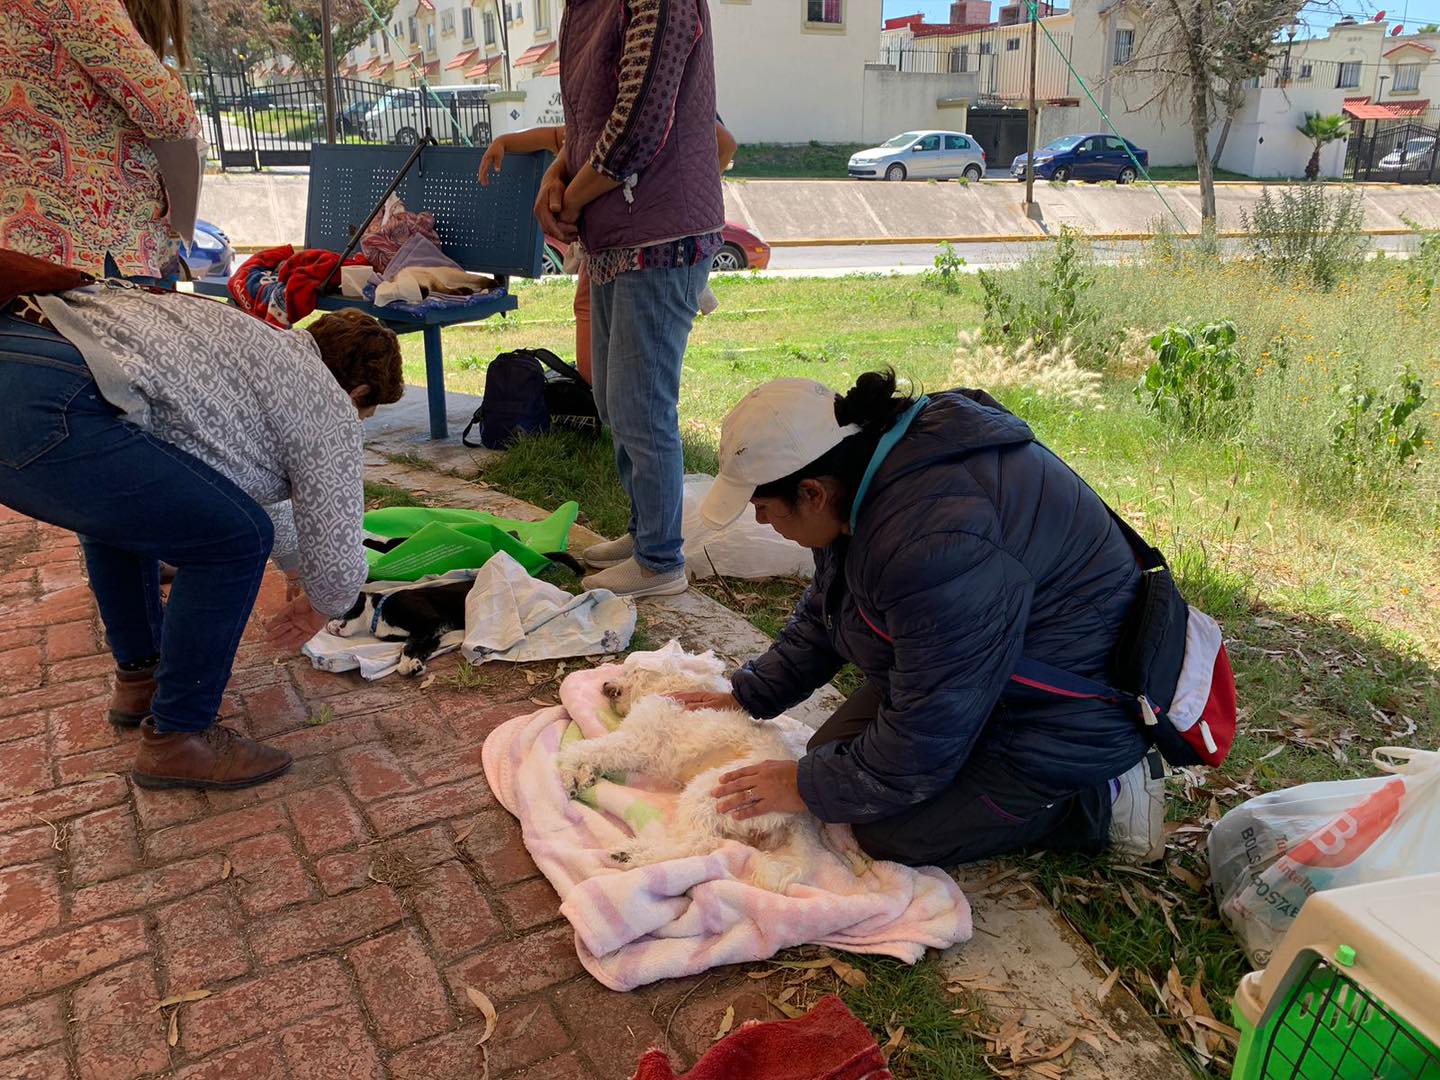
435,382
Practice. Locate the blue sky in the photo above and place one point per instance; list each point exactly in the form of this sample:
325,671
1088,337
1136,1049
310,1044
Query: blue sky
1416,13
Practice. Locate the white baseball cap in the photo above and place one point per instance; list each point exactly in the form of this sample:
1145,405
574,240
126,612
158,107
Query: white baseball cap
776,429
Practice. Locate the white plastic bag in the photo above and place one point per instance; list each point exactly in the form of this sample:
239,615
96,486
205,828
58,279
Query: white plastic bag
1268,855
743,549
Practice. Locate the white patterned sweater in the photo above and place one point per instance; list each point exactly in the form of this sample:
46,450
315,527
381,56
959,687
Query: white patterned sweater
254,403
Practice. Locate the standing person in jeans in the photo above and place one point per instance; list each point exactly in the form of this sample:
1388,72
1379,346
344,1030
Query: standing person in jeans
86,78
164,426
637,180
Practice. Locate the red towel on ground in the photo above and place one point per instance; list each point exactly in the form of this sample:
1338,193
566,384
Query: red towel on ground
827,1043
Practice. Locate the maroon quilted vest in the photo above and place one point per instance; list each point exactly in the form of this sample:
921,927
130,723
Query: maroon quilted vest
676,195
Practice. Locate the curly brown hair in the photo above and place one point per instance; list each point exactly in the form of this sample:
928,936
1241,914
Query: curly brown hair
360,351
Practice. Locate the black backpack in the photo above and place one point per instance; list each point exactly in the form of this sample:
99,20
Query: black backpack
522,397
568,397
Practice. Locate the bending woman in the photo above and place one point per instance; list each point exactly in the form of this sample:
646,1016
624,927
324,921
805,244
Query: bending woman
948,542
161,426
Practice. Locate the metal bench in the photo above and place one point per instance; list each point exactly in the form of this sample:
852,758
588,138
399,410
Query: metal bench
489,230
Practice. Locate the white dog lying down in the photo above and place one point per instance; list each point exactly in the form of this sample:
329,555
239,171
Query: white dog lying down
693,750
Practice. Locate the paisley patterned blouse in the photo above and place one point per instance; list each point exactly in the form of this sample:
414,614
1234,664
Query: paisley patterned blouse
79,94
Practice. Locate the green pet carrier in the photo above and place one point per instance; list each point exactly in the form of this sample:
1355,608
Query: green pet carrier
1353,991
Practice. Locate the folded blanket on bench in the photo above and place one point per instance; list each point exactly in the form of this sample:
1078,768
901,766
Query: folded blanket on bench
634,926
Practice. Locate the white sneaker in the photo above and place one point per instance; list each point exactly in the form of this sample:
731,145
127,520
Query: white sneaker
610,553
1137,817
629,578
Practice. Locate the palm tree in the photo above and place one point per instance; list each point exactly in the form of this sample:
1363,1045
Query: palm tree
1322,129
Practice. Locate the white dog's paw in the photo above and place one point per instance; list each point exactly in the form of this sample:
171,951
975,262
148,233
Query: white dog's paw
411,666
337,627
575,776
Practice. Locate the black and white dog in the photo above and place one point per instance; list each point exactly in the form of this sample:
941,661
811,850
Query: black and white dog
419,617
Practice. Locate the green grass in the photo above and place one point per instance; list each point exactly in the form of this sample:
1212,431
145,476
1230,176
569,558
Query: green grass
1188,172
1327,589
804,161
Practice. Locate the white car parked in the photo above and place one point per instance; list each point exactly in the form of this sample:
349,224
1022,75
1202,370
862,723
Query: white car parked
1416,154
403,114
922,155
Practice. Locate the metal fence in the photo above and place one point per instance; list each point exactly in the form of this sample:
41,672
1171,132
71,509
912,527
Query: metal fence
999,56
1403,151
250,125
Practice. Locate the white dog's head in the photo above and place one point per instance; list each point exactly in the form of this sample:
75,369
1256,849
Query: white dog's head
670,670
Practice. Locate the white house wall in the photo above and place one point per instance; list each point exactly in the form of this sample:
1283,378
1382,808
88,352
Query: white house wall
778,81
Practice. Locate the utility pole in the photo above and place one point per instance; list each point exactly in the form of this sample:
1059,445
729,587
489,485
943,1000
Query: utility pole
327,40
1030,117
500,7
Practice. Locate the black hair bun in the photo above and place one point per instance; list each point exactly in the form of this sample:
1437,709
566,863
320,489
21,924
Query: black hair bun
872,402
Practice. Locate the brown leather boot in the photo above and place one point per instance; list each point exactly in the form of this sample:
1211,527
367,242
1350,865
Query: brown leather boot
130,700
214,758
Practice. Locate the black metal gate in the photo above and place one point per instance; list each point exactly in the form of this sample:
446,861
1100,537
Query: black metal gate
1000,131
253,126
1403,151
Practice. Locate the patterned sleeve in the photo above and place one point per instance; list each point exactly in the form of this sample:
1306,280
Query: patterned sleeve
324,460
285,552
100,37
659,37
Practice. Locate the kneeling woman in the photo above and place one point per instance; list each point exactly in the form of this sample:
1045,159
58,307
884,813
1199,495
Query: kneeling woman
949,543
160,426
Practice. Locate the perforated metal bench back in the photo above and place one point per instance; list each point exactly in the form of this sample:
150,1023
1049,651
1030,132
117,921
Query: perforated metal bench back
488,229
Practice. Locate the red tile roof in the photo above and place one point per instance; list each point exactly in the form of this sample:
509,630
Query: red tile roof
903,21
535,54
461,60
553,69
945,29
483,67
431,69
1408,45
1363,108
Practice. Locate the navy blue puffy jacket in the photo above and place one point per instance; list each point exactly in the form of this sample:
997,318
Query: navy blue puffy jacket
974,545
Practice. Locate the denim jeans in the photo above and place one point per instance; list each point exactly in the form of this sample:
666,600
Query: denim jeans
67,458
640,323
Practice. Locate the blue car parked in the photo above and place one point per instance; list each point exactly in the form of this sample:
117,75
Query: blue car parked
1085,157
211,254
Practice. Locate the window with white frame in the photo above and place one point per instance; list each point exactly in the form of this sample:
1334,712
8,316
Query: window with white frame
447,21
385,44
429,37
467,24
542,15
825,12
414,30
986,48
374,41
1012,44
489,28
1307,70
1124,46
1349,76
514,11
1407,78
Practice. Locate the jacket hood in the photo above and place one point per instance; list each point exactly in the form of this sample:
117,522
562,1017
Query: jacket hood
954,423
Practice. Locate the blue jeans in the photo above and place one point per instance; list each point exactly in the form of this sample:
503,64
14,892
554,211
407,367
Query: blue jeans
639,324
68,459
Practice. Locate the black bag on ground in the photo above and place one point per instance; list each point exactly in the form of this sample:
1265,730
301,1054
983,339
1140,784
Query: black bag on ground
514,401
568,396
526,392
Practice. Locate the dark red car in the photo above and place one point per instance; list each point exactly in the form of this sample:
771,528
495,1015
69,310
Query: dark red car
743,250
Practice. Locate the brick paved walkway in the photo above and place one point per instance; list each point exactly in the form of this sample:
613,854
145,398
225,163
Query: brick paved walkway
335,915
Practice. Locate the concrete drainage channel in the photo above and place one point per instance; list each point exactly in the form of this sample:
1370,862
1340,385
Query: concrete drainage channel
265,209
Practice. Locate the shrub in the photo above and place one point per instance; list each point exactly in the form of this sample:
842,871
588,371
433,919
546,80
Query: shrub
1049,310
946,273
1376,433
1051,372
1307,233
1194,381
1422,269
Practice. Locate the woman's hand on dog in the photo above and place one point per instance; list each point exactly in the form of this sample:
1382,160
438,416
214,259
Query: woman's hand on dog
296,624
694,700
770,787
